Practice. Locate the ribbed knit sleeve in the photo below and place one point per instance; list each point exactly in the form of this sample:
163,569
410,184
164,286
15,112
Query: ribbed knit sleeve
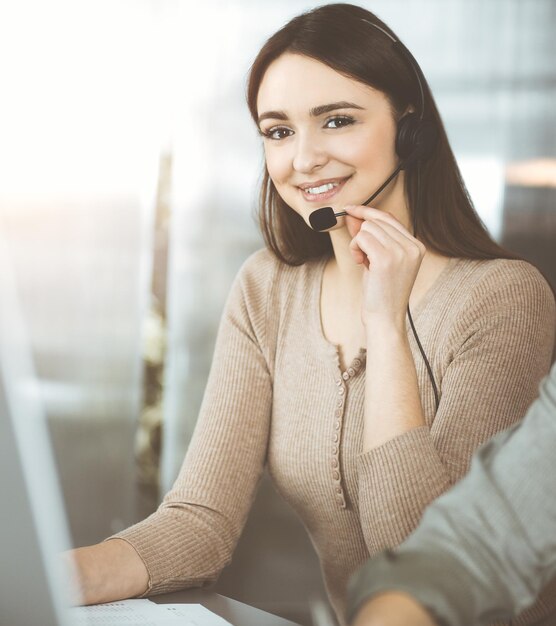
488,546
190,538
499,348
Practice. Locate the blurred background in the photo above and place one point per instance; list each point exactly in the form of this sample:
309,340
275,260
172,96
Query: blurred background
129,171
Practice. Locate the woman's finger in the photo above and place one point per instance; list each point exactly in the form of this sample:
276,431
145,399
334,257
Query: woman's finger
367,213
353,225
367,244
394,244
386,234
411,245
389,257
373,244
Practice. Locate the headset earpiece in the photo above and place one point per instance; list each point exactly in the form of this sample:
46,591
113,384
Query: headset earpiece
415,139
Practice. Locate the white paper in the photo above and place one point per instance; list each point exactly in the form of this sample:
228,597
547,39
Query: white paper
144,613
196,614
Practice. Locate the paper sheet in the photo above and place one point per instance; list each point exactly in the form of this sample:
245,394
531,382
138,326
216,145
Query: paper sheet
144,613
197,615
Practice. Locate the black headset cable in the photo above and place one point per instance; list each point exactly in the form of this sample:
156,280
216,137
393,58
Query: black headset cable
421,350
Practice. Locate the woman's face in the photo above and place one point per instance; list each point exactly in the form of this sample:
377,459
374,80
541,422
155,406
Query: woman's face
329,140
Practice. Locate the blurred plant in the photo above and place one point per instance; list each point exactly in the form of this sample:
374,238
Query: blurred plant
148,439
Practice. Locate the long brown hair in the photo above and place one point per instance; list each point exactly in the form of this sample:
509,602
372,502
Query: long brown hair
338,36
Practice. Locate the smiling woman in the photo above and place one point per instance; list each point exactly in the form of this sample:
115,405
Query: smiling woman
367,54
315,375
331,152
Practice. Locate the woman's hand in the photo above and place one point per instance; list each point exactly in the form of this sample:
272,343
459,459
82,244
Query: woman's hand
107,571
393,609
392,257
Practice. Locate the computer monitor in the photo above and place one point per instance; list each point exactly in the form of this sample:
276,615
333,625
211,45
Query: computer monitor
33,530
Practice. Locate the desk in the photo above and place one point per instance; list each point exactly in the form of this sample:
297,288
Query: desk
235,612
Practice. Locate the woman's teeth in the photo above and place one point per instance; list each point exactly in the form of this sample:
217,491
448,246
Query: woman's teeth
322,188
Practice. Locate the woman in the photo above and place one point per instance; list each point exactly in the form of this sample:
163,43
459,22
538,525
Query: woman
315,373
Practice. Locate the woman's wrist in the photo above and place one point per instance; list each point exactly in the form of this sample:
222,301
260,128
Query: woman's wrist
108,571
380,330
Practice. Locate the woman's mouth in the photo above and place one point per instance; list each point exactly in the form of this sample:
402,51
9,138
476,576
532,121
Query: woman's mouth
322,189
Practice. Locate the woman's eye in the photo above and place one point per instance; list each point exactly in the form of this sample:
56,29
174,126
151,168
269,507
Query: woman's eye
279,132
339,121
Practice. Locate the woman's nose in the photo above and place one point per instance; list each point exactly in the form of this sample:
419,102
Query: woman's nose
309,154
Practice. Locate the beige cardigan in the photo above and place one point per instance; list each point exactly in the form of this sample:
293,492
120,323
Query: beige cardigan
276,396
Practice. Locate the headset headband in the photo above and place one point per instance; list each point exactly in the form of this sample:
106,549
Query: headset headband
410,59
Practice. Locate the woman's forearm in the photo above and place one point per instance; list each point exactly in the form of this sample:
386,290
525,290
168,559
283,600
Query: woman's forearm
392,402
108,571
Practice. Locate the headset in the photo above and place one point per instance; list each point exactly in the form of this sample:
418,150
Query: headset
416,139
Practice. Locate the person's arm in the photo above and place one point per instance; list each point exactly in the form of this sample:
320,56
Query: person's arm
392,258
191,536
108,571
499,349
486,548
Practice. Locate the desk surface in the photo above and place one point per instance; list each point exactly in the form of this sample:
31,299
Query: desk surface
235,612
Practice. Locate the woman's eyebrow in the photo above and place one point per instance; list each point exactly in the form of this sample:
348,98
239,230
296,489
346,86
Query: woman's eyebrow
333,106
315,111
272,115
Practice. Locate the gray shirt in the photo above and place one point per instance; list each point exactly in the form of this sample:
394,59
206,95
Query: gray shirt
485,549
